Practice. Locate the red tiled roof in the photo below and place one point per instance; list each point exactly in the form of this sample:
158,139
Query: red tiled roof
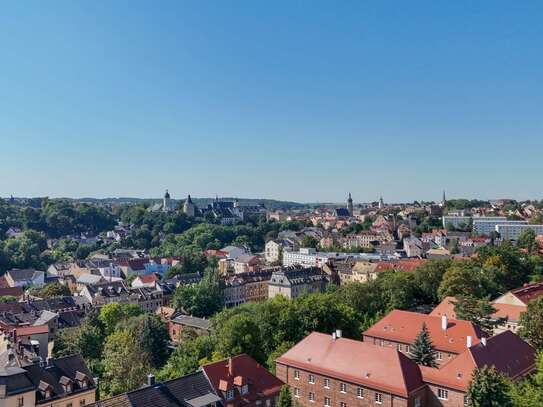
13,291
376,367
148,278
402,265
32,330
528,292
404,326
445,307
134,264
509,311
507,352
244,368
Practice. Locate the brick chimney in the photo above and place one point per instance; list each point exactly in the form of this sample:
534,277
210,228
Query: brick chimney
444,322
230,367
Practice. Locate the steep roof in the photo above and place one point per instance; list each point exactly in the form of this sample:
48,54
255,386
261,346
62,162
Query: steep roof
445,307
506,352
192,390
227,373
404,326
381,368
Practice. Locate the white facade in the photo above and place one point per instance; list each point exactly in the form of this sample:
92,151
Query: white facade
272,251
456,221
485,226
512,232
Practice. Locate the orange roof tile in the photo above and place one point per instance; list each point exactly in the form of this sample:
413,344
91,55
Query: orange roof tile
445,307
355,361
404,326
511,312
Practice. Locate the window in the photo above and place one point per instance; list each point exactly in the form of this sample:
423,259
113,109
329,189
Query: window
245,389
343,387
442,394
20,402
81,402
327,402
439,356
378,398
296,392
327,383
311,397
342,404
311,378
417,402
69,405
229,394
360,392
268,403
407,348
296,375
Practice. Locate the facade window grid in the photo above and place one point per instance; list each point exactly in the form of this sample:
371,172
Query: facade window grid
378,398
442,394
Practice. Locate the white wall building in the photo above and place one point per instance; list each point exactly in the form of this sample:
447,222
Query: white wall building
512,232
485,226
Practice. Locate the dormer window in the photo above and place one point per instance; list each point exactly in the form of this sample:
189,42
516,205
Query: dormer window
229,394
67,384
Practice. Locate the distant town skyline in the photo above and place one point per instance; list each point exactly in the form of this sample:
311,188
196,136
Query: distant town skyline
303,102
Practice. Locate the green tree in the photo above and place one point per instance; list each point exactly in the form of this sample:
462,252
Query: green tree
240,334
459,280
8,298
526,240
188,356
422,351
309,241
285,398
50,290
152,336
478,311
529,392
203,299
489,388
531,323
113,313
125,364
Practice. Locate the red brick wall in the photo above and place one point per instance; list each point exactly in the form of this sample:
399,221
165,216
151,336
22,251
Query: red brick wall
455,398
350,397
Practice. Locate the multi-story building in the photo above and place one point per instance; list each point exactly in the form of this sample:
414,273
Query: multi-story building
56,383
274,249
245,287
294,281
148,299
485,226
309,257
458,221
399,329
512,232
332,371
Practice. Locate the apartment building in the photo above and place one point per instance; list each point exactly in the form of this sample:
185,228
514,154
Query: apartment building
513,231
293,282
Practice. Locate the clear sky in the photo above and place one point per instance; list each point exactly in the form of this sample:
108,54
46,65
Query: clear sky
280,99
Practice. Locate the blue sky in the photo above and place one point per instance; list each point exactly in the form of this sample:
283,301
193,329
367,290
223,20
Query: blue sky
289,100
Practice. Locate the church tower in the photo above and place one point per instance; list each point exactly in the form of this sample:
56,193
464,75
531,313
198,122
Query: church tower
381,203
188,207
443,200
350,205
166,202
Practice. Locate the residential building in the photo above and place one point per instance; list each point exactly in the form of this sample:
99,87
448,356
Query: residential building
193,390
101,294
245,287
514,303
294,281
512,232
309,257
331,371
24,277
56,383
458,221
399,329
413,247
485,226
274,249
246,263
240,381
179,323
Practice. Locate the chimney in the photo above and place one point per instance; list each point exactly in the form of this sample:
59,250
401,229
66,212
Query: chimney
444,322
151,379
469,341
483,341
230,367
338,333
334,336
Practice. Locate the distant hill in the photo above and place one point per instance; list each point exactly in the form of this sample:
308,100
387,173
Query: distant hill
271,204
